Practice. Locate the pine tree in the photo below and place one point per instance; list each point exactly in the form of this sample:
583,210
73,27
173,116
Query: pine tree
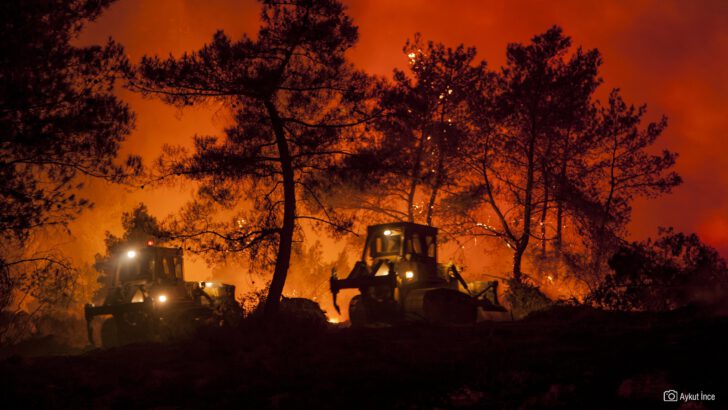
295,102
419,134
60,121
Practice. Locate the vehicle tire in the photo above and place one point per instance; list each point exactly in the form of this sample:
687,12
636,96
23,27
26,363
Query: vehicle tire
358,314
109,333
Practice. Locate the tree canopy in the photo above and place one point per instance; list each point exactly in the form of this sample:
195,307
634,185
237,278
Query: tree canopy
60,120
294,102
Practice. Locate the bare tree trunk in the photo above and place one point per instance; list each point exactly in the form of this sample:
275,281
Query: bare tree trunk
559,227
289,217
411,199
542,222
417,166
435,187
558,241
517,261
431,205
527,209
600,240
544,211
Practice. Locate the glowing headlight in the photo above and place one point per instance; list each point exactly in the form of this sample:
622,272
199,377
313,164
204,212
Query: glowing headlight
131,254
208,284
409,274
162,298
387,232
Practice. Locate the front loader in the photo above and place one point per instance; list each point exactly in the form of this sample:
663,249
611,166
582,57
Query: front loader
399,279
148,299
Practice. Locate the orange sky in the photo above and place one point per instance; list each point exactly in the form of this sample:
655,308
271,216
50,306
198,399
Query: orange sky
668,54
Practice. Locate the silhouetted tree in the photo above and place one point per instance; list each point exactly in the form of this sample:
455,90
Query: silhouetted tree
523,122
564,158
669,272
624,170
59,120
294,100
421,130
547,154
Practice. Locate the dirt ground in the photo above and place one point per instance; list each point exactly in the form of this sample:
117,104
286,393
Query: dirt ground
562,358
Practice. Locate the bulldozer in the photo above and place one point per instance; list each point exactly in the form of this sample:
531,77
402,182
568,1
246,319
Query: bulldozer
399,280
148,299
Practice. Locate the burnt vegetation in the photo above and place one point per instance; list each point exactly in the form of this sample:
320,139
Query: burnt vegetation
524,158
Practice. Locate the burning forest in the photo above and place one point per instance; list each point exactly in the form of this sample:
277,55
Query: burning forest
332,204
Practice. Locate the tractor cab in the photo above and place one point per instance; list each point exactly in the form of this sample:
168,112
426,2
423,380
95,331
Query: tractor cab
407,248
142,272
151,264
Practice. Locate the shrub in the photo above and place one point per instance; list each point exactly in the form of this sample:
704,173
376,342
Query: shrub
524,298
672,271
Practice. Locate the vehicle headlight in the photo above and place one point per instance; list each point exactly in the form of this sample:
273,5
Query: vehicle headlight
409,275
162,298
131,254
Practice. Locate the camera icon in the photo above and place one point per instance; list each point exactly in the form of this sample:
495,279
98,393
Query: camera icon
669,396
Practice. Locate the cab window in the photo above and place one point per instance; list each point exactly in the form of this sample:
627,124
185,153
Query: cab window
171,266
129,271
386,245
151,264
430,245
165,267
135,269
178,267
416,244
